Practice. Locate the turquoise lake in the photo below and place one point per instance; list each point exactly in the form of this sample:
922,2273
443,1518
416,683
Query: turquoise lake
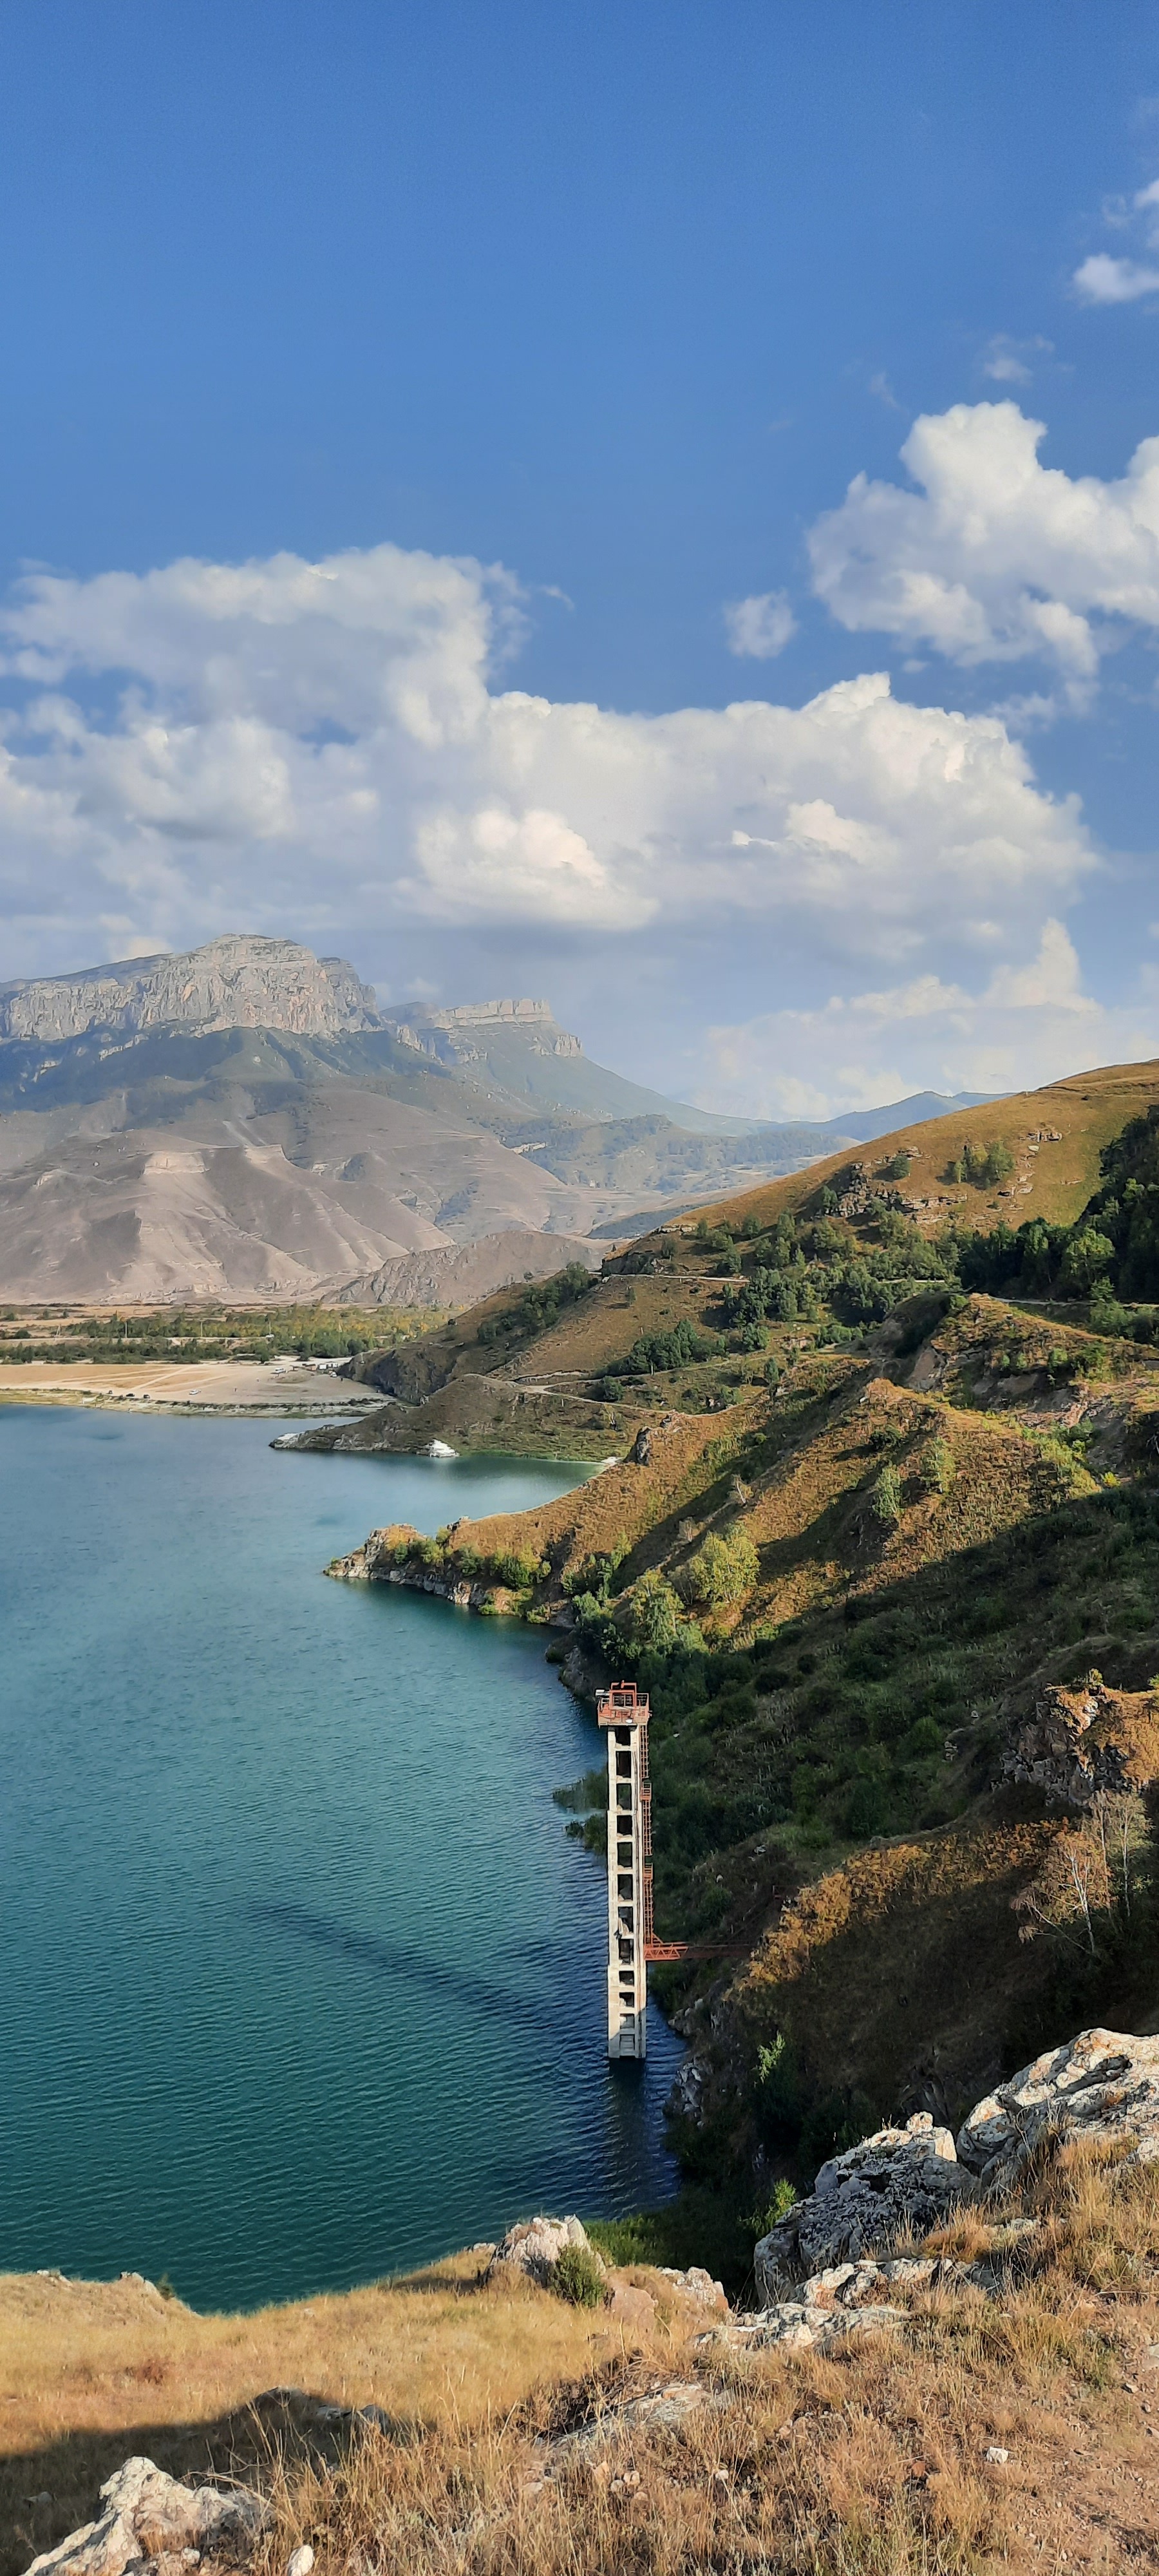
302,1980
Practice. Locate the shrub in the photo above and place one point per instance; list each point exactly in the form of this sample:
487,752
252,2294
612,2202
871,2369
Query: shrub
784,2199
936,1467
885,1498
595,1574
899,1167
724,1569
924,1737
984,1165
518,1573
866,1812
664,1351
778,2104
578,2277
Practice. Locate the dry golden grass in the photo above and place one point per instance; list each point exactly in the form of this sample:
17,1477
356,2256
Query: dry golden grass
915,1935
627,1503
870,2462
1054,1182
91,2371
873,2462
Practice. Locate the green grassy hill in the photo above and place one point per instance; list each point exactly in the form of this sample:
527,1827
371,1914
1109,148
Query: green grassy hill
883,1510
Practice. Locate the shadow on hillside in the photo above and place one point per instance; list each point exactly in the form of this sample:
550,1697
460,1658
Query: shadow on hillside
248,2444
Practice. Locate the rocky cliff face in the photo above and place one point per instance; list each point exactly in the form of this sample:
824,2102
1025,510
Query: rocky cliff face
460,1035
1088,1741
234,982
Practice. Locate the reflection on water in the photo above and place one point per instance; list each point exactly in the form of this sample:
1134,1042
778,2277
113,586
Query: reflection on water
304,1981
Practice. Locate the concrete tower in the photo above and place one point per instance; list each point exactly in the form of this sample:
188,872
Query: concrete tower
624,1711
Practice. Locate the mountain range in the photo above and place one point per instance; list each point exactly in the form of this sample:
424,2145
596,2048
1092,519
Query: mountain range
245,1120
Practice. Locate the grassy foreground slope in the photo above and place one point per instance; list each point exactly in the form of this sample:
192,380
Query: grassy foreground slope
984,2434
881,1513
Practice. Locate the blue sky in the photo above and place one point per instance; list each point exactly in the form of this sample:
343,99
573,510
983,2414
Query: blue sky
620,300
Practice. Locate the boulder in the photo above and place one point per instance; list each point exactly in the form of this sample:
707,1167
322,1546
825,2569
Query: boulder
859,2298
898,2182
807,2328
147,2516
1104,2085
534,2248
696,2284
631,2309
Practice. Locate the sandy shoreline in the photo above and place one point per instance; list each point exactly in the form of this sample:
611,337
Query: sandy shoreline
200,1386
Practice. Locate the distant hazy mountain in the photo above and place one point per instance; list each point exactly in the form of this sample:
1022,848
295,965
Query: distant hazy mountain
516,1050
864,1124
233,983
244,1120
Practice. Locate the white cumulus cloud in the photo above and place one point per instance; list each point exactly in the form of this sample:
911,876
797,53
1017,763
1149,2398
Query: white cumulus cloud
1106,279
1028,1024
331,749
995,556
760,627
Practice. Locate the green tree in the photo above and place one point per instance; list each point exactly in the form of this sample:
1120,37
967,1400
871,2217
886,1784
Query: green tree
1088,1256
652,1615
723,1569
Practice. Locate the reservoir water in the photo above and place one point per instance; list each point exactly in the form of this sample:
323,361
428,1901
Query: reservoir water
302,1981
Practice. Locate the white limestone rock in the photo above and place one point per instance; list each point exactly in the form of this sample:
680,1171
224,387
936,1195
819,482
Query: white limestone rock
535,2245
1104,2085
804,2327
147,2515
898,2182
696,2284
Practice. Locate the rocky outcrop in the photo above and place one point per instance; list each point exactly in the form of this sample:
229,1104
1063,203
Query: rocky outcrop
1102,2087
374,1562
235,982
153,2521
856,2298
1086,1741
534,2248
898,2182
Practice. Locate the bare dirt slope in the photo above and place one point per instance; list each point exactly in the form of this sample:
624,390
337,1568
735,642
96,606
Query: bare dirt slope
406,1131
325,1188
460,1274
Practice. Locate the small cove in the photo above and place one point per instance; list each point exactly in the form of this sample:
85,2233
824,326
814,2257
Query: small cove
302,1981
